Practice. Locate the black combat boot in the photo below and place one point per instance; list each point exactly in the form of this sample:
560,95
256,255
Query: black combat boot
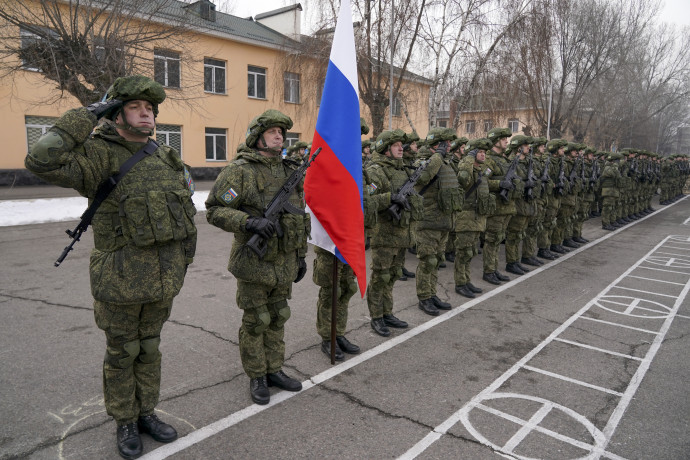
474,288
129,441
522,267
326,348
465,290
258,389
392,321
440,304
513,267
501,276
557,249
491,278
347,346
569,243
380,327
282,381
156,428
580,239
545,254
408,273
530,261
428,307
450,256
608,227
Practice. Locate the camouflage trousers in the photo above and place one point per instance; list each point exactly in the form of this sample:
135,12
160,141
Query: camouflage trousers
386,268
493,235
534,229
132,364
564,225
431,245
465,249
262,348
545,238
515,234
582,216
608,210
346,288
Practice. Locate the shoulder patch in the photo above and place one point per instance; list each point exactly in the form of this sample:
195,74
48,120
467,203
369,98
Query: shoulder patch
188,179
229,195
372,188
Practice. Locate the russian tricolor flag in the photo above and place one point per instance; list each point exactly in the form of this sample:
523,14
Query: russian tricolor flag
333,184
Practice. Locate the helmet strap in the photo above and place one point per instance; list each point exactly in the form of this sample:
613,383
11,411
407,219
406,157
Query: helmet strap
127,127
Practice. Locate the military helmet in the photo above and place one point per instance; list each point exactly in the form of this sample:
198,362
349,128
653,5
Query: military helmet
537,141
412,137
498,133
457,143
570,146
269,119
439,135
612,156
366,144
480,144
519,140
364,128
388,138
589,150
135,88
300,145
554,144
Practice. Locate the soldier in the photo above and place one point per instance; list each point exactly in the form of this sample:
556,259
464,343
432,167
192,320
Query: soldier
497,223
438,185
457,149
478,203
524,206
540,193
611,181
547,248
390,236
235,204
298,150
587,196
410,151
346,287
144,238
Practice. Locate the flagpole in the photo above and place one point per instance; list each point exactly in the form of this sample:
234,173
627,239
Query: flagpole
334,306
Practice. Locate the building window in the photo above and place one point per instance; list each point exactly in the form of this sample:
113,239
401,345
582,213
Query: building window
170,135
397,107
469,126
514,125
442,123
32,53
214,76
488,125
216,144
319,92
257,82
36,127
291,139
166,68
291,87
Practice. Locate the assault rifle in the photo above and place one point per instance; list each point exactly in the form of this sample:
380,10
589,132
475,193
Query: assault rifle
545,178
280,204
531,177
595,175
560,185
506,184
573,174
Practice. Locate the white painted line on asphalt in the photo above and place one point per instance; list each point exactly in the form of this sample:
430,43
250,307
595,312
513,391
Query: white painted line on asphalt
610,323
674,254
598,449
527,427
656,280
644,292
674,247
590,347
683,316
216,427
662,270
571,380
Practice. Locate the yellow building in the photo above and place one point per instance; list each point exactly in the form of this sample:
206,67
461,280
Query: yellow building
234,69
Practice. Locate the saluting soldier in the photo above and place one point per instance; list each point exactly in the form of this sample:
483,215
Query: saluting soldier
236,204
144,237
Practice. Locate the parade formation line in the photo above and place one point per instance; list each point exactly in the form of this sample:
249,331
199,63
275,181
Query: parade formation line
600,438
214,428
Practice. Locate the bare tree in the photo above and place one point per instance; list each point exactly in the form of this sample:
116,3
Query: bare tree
81,46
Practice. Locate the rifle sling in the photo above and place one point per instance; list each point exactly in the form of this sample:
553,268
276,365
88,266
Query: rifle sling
476,184
429,184
109,184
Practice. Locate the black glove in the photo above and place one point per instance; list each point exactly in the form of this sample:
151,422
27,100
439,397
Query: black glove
261,226
443,148
301,270
101,109
400,201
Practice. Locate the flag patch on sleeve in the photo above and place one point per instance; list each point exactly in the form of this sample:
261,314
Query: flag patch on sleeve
229,196
372,188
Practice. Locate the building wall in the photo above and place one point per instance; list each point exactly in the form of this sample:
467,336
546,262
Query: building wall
190,107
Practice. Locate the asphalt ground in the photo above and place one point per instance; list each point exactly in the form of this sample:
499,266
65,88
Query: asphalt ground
586,356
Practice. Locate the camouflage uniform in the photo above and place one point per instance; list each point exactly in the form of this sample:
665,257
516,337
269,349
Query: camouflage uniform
389,237
540,193
242,191
144,238
610,183
439,187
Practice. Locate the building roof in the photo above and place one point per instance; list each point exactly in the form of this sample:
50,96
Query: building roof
285,9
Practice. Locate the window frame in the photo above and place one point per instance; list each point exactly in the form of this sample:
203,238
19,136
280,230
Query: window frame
256,72
470,124
43,127
488,125
25,35
214,80
292,138
516,122
161,130
167,57
291,84
214,137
